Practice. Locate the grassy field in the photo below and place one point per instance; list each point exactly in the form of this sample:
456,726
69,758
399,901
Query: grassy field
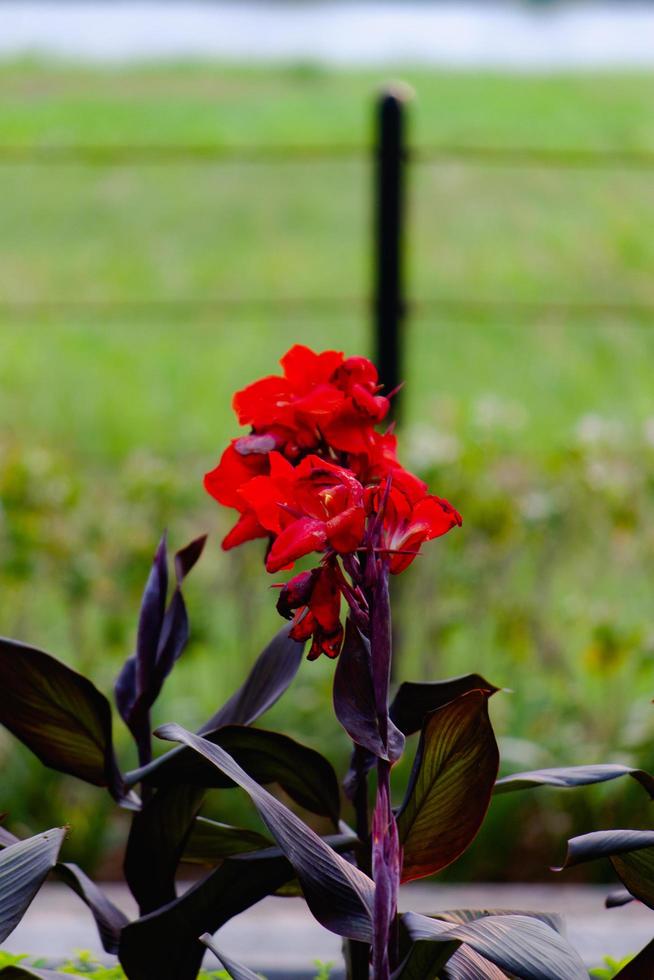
120,345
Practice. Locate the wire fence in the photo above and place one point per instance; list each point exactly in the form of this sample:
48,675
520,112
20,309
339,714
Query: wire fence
123,155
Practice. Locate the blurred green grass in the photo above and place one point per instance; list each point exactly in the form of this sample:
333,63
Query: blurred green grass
537,422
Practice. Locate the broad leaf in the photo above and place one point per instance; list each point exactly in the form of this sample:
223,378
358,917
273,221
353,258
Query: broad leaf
462,916
520,945
640,967
23,869
631,853
210,842
268,757
414,701
156,843
446,961
451,784
572,776
165,943
272,673
354,699
58,714
338,894
236,970
425,962
411,704
109,919
466,964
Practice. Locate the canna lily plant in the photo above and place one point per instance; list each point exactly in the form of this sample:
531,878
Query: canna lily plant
317,478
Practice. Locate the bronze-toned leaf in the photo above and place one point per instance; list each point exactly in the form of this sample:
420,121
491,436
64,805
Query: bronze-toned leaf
451,784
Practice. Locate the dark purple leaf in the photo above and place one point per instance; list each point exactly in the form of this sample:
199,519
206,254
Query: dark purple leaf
604,844
520,945
161,639
273,671
411,704
631,852
174,629
616,899
156,843
23,869
413,700
466,964
153,606
572,776
354,699
338,894
641,967
236,970
425,962
462,916
165,943
186,558
451,784
109,919
172,642
268,757
125,688
58,714
210,842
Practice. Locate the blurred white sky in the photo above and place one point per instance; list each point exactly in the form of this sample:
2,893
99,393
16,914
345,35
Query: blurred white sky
489,33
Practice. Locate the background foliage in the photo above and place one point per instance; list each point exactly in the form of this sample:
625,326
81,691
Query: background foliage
537,422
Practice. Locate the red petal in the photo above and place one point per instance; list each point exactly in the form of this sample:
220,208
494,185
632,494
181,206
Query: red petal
325,602
327,643
233,471
345,531
247,528
267,496
263,402
304,368
348,432
357,371
438,514
299,538
303,627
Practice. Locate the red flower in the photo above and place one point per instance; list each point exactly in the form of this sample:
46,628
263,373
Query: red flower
319,398
313,600
410,517
319,506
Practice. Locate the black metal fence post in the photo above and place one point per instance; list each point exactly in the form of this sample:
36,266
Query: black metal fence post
389,303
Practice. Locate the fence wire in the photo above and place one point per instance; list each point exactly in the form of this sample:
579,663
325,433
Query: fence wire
453,307
117,155
560,158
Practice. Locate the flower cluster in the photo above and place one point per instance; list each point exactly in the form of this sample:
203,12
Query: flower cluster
314,474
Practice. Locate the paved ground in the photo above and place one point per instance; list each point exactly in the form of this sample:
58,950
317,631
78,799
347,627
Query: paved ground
58,923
